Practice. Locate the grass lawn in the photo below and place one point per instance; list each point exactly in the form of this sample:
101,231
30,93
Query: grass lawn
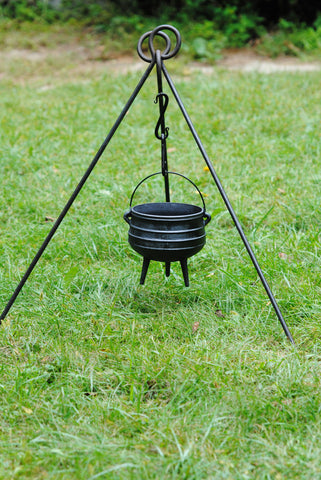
104,378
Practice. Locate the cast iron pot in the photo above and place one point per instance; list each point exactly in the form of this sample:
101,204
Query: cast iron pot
167,232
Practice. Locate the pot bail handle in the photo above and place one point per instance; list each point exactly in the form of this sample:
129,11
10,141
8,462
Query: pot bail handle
127,214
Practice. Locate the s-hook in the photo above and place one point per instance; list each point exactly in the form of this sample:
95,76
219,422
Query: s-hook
160,121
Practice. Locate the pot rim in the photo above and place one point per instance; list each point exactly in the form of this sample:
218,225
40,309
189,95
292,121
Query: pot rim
199,214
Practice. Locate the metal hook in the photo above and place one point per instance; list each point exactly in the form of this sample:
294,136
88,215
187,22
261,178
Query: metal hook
163,107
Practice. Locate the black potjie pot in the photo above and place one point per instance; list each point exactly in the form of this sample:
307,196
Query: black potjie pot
167,232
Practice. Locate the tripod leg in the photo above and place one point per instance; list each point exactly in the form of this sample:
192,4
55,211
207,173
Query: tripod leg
76,191
167,269
228,205
185,271
145,266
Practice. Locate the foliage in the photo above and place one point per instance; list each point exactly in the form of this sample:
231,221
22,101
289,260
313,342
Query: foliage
214,26
290,40
208,37
28,10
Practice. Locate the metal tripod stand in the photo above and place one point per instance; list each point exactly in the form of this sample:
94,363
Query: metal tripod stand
156,58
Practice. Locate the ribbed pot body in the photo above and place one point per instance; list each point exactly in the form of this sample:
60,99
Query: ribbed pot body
166,232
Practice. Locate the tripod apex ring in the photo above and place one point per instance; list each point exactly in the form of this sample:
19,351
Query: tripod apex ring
167,52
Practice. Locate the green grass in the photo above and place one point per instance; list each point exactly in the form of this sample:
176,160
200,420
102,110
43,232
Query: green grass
104,378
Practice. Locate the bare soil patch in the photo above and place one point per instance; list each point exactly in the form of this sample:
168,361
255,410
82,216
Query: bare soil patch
72,59
249,61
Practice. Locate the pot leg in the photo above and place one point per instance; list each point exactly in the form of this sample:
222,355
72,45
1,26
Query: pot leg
185,271
144,270
167,269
